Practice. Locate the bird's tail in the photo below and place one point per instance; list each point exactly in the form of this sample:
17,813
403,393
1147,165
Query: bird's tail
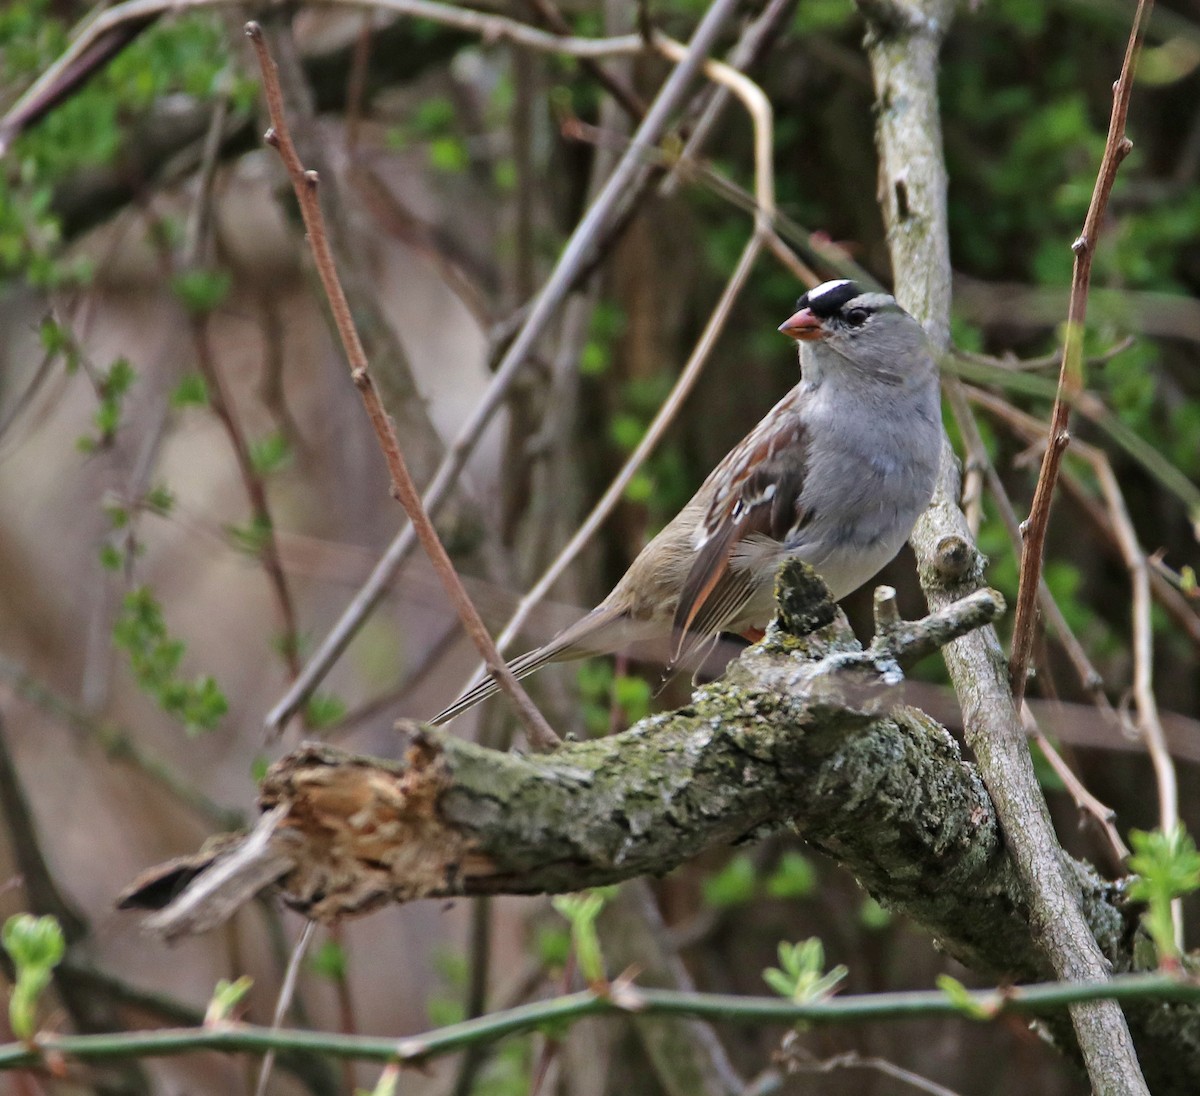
600,632
486,686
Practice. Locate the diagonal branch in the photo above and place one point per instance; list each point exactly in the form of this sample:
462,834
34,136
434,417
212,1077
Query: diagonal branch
403,488
574,258
1070,377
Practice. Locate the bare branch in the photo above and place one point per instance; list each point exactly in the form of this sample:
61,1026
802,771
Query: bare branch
305,185
759,109
1070,378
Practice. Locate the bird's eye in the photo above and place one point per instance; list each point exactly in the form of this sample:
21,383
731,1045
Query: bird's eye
856,317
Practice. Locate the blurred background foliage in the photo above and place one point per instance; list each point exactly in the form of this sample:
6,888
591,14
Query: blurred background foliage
479,131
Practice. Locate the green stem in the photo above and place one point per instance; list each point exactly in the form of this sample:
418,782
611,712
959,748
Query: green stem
744,1010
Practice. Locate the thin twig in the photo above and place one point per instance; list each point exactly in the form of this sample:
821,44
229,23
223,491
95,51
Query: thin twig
1092,408
356,82
1089,677
1070,378
1103,815
286,992
851,1059
1010,363
263,529
403,489
574,257
1149,722
759,109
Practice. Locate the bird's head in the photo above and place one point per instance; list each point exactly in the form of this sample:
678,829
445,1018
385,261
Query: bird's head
867,329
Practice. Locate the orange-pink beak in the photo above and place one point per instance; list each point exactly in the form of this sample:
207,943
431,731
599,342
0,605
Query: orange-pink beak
803,326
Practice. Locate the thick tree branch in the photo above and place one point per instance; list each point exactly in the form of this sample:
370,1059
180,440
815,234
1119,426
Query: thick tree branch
345,834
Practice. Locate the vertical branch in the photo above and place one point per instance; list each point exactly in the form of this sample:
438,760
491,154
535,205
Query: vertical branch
1070,377
256,491
902,44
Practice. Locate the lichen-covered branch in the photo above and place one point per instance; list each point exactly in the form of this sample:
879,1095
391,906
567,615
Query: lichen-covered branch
794,735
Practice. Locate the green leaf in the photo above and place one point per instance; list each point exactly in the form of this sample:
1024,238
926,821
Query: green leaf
201,291
191,391
448,154
323,710
594,360
961,999
799,974
329,961
160,500
154,658
633,695
733,885
793,877
581,911
250,538
873,916
270,454
641,488
225,998
1167,867
553,946
434,117
36,946
110,558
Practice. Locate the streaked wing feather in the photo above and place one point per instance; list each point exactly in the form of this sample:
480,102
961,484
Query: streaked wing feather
724,603
762,499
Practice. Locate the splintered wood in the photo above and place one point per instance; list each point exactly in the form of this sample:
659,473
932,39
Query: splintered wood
337,836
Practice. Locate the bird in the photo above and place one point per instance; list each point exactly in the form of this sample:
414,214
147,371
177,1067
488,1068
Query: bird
836,474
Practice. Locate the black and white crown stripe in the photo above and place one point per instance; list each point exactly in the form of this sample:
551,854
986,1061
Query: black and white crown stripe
828,297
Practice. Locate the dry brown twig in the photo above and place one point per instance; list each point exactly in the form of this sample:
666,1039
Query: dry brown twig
541,736
575,257
1149,723
1070,378
1089,676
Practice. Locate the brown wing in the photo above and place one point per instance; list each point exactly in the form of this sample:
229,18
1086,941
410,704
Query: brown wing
758,494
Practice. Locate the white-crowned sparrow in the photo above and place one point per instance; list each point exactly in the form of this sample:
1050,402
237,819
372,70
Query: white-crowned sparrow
836,474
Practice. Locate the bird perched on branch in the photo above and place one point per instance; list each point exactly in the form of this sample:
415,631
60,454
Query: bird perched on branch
836,475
